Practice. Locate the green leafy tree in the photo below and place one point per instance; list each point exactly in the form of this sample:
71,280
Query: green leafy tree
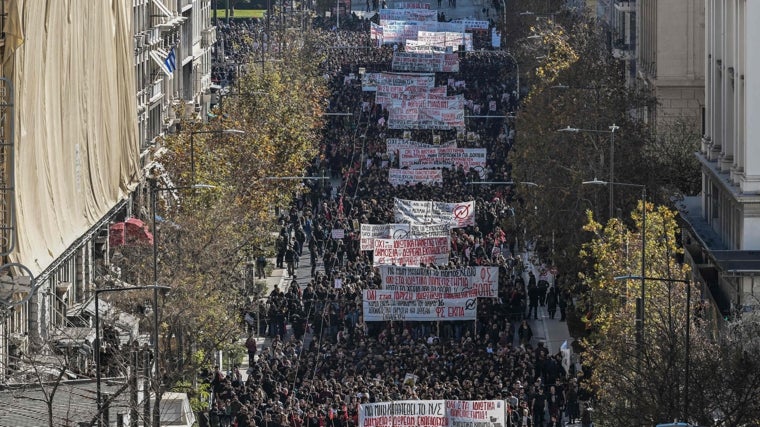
642,379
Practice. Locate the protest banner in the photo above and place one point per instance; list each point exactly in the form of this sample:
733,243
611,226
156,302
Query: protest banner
412,252
425,62
416,211
338,233
421,413
408,15
393,145
398,177
480,282
380,306
428,413
369,232
473,24
448,157
475,413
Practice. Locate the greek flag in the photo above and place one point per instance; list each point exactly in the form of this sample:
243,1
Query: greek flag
171,61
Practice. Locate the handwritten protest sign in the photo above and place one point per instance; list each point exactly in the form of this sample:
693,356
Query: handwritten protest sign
413,252
470,281
425,62
380,305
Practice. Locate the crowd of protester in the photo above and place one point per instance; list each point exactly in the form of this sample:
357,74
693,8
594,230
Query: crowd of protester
324,359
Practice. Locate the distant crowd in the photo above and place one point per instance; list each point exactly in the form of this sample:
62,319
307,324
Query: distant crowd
324,359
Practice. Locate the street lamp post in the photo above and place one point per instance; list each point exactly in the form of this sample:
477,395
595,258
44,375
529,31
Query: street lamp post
612,130
98,394
192,145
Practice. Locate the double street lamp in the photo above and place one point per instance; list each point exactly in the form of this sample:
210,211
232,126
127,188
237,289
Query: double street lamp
98,374
611,131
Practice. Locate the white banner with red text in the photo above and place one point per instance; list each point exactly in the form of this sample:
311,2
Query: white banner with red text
433,413
381,306
480,282
412,252
370,232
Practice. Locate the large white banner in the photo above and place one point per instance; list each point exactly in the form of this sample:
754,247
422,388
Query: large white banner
407,15
433,413
461,282
393,145
455,214
394,96
412,252
370,232
398,177
379,306
425,62
449,157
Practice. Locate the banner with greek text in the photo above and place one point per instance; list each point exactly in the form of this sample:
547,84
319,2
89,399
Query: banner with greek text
370,232
408,15
393,145
415,211
398,177
425,62
412,252
433,413
470,282
381,306
449,157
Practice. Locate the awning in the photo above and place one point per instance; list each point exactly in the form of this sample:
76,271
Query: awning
133,231
162,7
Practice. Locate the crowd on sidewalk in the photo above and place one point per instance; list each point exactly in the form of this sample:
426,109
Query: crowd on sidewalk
348,361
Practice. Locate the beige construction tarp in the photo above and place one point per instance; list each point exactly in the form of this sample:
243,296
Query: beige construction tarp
77,150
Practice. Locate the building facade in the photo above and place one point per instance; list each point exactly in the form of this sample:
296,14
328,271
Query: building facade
92,110
724,232
661,45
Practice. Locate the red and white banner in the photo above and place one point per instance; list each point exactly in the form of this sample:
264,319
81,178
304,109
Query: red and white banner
379,306
398,177
412,252
455,214
370,232
426,62
418,158
464,282
433,413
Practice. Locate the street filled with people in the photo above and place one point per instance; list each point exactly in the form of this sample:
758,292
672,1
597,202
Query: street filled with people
325,358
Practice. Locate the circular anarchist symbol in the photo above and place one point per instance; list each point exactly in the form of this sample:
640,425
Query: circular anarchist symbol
470,304
461,211
400,234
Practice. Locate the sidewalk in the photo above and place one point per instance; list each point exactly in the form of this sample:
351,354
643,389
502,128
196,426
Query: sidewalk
550,331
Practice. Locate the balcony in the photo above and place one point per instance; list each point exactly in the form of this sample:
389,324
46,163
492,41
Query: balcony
208,37
157,90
